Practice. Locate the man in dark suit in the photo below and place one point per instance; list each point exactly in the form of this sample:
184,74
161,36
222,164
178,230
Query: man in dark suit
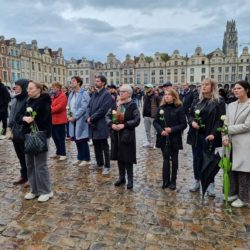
99,105
187,97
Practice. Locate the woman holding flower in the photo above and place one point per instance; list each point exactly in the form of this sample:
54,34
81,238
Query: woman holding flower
169,124
204,121
123,121
38,113
238,122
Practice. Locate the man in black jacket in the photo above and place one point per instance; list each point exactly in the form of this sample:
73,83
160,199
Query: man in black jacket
99,105
4,102
187,97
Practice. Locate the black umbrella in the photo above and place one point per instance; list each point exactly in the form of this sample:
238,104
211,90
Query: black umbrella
209,169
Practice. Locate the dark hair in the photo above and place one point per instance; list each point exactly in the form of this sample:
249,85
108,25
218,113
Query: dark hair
245,85
78,79
102,79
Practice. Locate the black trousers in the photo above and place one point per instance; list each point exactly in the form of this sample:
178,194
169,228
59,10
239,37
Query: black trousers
167,152
123,167
19,148
3,119
101,148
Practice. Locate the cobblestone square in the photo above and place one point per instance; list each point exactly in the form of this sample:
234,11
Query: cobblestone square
88,212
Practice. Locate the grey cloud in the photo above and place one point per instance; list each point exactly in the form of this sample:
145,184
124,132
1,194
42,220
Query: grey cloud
95,25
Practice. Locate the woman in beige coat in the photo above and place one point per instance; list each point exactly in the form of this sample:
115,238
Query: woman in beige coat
238,117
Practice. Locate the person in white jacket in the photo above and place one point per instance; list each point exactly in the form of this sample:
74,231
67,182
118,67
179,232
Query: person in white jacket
238,118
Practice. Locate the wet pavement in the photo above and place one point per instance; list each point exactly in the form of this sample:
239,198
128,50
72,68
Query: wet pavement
88,212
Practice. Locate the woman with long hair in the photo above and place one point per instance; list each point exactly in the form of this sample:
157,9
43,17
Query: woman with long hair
238,120
169,124
37,167
204,121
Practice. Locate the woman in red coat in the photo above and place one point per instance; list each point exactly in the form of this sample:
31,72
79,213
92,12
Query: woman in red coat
59,119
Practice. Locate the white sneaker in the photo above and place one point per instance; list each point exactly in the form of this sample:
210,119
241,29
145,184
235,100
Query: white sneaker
84,163
30,196
210,190
146,145
2,137
45,197
75,163
239,203
62,158
106,171
195,187
231,198
54,157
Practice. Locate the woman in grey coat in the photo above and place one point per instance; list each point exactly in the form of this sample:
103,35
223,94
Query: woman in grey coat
238,119
78,101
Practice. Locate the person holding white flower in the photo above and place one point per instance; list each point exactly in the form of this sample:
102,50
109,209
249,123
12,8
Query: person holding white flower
238,121
38,113
170,122
77,113
204,121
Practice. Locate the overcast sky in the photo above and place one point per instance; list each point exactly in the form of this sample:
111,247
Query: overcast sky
93,28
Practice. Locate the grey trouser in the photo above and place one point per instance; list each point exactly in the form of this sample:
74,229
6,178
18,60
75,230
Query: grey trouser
38,173
148,123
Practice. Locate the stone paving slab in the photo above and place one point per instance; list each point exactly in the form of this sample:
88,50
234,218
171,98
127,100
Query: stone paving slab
88,212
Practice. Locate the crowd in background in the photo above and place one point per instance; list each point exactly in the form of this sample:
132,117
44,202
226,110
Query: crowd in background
106,111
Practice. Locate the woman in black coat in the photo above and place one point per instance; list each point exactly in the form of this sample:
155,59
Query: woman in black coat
37,167
169,124
204,121
123,121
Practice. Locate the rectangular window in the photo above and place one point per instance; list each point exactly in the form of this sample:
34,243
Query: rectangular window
226,78
183,71
117,73
227,69
125,72
81,72
161,79
175,71
176,79
203,70
33,66
191,78
86,72
240,68
202,77
131,72
153,73
168,72
233,69
219,78
111,74
240,77
182,78
192,71
131,80
161,72
220,69
175,63
247,68
153,79
212,70
70,73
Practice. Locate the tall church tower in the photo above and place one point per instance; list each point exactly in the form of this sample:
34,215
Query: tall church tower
230,42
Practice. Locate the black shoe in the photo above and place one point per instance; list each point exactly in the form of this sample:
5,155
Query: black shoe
165,185
172,186
119,182
20,181
130,185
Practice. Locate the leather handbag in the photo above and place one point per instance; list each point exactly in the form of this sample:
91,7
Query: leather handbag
35,142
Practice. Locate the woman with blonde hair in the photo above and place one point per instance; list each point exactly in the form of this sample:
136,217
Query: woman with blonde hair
204,121
169,124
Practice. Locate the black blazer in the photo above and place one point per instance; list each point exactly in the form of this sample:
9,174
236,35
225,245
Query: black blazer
213,113
174,117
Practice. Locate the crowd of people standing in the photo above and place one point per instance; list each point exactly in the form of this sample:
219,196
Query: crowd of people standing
107,111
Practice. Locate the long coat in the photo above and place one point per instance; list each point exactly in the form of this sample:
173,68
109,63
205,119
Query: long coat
58,109
99,105
123,142
215,110
174,117
239,130
79,128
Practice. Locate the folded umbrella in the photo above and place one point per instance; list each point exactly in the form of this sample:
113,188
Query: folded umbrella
209,169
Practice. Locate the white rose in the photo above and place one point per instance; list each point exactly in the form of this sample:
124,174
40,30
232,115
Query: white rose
161,112
67,107
197,112
29,109
223,117
113,112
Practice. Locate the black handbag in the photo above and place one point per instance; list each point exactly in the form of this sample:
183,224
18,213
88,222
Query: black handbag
35,142
17,132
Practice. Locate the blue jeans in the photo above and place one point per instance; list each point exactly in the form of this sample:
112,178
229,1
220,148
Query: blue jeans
201,146
58,135
82,150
